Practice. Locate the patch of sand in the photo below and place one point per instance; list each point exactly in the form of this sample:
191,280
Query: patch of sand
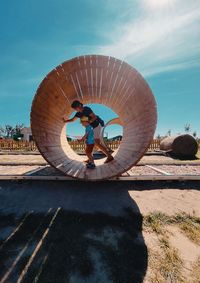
169,201
17,170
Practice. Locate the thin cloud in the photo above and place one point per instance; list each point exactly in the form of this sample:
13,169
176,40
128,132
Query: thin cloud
159,40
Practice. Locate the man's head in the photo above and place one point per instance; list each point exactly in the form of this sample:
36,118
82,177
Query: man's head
85,121
77,105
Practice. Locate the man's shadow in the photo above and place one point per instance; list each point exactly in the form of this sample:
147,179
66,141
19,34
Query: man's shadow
93,232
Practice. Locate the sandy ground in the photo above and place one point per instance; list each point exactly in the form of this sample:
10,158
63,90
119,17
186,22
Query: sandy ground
168,200
81,232
17,170
38,159
22,159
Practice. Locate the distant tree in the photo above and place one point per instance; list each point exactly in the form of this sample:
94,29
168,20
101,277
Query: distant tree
2,131
106,135
187,128
18,129
194,134
16,134
169,132
158,136
8,131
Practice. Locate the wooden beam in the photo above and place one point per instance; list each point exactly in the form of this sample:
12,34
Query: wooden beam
120,178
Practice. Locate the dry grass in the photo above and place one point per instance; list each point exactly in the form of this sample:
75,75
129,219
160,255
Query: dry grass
156,222
188,224
167,265
195,273
198,154
192,232
171,266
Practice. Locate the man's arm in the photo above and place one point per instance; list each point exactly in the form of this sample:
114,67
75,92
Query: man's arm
70,120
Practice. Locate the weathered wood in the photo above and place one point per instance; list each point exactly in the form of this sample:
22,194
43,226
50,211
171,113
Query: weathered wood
116,178
94,79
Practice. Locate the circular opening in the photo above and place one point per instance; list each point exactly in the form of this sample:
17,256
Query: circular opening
113,132
112,136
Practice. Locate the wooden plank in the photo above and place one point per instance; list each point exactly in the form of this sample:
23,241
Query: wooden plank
120,178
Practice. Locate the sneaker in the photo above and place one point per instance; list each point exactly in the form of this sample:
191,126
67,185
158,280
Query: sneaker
90,166
86,161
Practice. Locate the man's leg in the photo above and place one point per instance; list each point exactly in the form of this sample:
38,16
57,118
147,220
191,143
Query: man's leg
104,149
97,135
88,151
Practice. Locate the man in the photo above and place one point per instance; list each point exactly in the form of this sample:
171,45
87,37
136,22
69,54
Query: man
95,122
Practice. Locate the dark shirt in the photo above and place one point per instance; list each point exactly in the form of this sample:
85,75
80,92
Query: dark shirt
87,111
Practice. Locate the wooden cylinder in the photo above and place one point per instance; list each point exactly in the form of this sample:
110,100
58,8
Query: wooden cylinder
182,145
93,79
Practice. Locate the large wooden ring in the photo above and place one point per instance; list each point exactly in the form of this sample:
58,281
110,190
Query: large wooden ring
93,79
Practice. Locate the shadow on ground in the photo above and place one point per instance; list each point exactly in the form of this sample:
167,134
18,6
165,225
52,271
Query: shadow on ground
181,157
70,232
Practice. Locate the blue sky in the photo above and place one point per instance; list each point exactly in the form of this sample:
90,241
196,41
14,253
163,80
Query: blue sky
160,38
